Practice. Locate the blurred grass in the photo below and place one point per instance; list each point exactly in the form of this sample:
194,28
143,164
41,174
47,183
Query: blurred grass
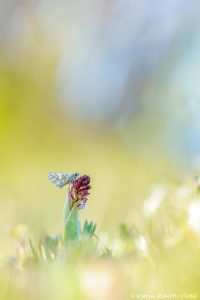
169,264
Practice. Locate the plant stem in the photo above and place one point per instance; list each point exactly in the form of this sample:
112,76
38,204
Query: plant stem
71,224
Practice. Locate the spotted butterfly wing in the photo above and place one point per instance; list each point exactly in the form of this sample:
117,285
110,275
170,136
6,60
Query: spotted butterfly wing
61,179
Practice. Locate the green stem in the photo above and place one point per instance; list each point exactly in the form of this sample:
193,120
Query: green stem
71,224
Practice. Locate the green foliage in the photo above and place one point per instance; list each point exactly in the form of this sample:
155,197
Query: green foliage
72,231
88,229
47,249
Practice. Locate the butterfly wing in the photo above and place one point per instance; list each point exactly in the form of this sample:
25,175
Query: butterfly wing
73,177
58,179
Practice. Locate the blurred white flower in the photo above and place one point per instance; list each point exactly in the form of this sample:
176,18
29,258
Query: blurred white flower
194,216
97,282
153,202
142,245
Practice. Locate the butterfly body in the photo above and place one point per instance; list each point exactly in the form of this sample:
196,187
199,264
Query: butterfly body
62,179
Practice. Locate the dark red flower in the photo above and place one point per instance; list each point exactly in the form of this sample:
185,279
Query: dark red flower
79,192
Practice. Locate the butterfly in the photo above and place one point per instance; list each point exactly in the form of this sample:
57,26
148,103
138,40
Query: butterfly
61,179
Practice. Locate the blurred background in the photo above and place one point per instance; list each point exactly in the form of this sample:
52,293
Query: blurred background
106,88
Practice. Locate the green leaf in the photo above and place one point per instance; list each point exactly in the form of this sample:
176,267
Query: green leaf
88,229
72,230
